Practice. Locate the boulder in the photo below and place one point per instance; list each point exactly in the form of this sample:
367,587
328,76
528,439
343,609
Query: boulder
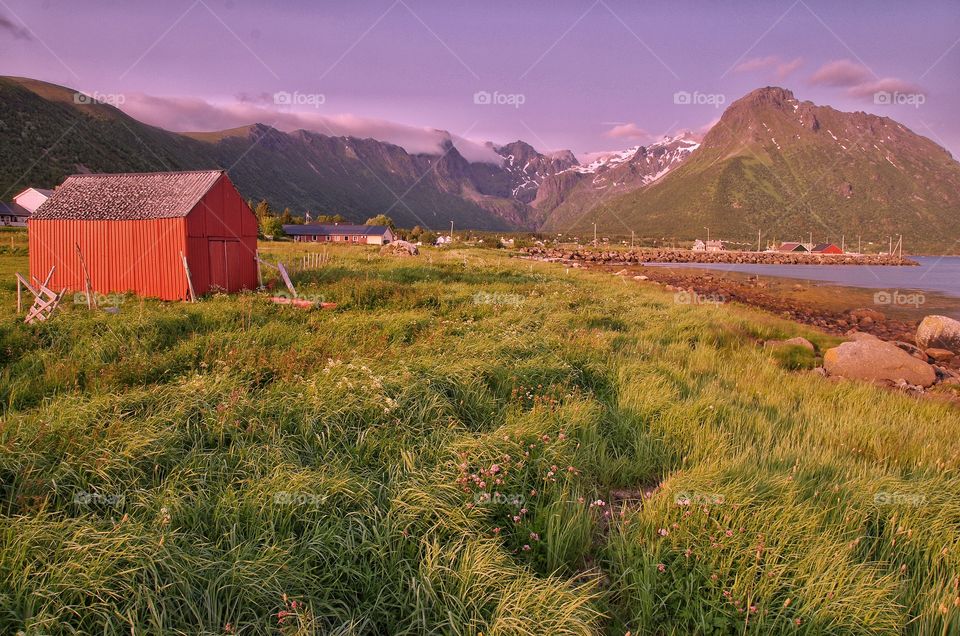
875,360
940,355
400,248
939,332
857,336
791,342
913,350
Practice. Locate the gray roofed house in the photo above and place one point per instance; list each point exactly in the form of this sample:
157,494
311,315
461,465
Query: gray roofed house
14,215
340,233
131,196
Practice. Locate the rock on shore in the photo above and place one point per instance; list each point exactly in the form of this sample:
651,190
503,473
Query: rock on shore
939,332
869,358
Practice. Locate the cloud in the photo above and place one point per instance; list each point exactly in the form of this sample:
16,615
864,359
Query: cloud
627,131
771,64
841,73
885,85
190,114
17,31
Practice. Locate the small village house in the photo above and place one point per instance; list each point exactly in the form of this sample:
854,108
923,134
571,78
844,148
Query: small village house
699,246
134,232
715,246
826,248
340,233
17,212
792,247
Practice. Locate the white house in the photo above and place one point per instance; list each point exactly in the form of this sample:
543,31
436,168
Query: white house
32,198
699,246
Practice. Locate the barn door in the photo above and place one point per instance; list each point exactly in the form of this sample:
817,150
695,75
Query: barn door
218,265
226,264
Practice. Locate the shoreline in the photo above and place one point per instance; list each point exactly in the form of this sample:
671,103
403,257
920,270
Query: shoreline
753,291
639,256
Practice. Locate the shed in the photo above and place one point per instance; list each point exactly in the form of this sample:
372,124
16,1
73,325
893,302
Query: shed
134,230
826,248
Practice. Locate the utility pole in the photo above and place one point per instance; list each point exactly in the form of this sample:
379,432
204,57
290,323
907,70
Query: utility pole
594,233
758,241
890,249
631,238
708,234
451,230
859,251
843,242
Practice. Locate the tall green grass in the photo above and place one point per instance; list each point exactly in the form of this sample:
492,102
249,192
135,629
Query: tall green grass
461,447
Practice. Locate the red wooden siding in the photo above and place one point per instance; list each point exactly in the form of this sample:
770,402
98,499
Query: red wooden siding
144,256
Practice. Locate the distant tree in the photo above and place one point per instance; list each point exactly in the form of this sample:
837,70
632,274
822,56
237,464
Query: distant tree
287,217
272,226
428,237
415,233
382,219
329,218
263,210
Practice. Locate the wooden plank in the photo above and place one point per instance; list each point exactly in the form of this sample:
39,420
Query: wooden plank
86,279
186,268
286,279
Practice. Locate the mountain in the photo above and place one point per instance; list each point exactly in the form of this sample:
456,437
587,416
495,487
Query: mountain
788,168
46,135
565,197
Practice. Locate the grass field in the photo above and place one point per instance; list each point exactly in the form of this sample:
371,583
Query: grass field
459,448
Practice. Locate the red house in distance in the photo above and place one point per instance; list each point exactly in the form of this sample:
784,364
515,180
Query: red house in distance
826,248
134,231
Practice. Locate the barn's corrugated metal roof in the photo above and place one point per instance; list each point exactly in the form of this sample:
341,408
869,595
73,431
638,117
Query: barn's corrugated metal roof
130,196
318,229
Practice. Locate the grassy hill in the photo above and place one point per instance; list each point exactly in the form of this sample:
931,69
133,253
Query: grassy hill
461,447
45,136
790,168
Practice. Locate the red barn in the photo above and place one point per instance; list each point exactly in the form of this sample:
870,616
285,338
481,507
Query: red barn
133,228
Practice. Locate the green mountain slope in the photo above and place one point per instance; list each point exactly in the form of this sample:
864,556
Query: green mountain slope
789,168
45,136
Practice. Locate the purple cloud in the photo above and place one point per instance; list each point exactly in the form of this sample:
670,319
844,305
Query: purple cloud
869,90
190,114
627,131
780,68
841,73
17,31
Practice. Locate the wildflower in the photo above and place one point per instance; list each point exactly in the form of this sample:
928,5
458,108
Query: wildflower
545,438
534,536
516,518
533,493
526,547
729,533
661,567
753,609
713,577
228,628
687,552
581,500
787,602
562,436
663,532
796,622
